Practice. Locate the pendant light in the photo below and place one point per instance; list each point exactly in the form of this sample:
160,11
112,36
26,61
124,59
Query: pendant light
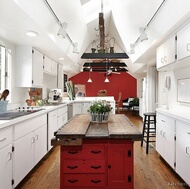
106,80
89,79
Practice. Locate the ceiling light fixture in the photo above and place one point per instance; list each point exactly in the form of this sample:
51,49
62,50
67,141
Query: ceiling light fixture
106,80
62,30
89,79
75,48
31,33
143,35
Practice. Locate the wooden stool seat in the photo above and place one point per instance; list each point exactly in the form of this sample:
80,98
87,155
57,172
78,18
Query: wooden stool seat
148,131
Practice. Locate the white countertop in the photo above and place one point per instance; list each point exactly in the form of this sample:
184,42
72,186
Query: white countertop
177,114
46,109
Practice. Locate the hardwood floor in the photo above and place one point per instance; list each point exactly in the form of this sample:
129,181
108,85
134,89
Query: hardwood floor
150,171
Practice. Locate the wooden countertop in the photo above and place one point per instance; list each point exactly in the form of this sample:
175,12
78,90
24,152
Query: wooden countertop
80,127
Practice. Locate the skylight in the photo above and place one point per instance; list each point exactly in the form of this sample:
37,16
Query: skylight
93,7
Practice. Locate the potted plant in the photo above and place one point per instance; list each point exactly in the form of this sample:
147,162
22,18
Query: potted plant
99,111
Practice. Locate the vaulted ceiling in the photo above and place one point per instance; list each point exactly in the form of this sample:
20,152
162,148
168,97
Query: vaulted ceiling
123,18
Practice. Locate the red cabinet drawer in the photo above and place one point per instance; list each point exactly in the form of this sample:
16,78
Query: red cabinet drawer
85,180
84,166
85,152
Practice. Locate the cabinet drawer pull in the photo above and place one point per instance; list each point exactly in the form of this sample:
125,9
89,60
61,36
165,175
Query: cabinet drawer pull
3,139
165,59
72,167
188,133
163,120
9,156
72,181
96,181
187,149
96,152
72,152
96,167
188,47
36,137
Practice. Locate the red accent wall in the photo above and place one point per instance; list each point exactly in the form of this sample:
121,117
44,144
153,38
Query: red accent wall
124,83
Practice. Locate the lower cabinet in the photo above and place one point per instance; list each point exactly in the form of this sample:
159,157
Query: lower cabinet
62,117
81,108
183,150
6,158
97,164
165,138
52,126
30,145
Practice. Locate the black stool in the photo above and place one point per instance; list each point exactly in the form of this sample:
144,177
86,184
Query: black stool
148,131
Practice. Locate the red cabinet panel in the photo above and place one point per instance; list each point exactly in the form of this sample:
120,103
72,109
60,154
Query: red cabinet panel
120,165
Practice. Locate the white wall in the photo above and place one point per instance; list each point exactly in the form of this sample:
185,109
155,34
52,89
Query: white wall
168,97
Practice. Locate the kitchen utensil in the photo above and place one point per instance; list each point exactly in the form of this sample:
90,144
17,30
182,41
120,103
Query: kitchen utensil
4,94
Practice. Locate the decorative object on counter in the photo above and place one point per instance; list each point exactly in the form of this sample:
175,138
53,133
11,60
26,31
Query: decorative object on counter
3,102
80,90
54,96
35,96
70,90
99,111
102,92
4,95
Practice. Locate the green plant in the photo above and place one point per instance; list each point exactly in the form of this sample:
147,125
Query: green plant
100,107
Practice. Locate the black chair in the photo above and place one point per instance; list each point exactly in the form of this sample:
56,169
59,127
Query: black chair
126,103
148,131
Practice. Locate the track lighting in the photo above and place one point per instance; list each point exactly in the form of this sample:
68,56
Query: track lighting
132,48
143,35
75,48
62,31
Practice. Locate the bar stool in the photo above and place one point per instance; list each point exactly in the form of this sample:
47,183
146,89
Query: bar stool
148,131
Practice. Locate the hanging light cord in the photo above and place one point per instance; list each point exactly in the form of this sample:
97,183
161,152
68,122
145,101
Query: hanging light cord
59,22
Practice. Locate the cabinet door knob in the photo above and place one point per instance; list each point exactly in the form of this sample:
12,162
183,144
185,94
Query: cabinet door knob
109,166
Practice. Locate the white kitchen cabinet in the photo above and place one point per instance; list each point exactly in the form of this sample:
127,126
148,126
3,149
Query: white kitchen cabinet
29,67
30,145
62,117
165,138
183,150
52,126
80,108
54,67
183,42
49,65
166,53
60,76
6,158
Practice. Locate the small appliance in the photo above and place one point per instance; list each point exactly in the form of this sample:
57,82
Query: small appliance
54,96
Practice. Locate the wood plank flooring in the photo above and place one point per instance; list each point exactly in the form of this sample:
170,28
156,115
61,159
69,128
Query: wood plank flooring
150,171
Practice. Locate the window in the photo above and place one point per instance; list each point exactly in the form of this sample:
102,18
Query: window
2,68
5,62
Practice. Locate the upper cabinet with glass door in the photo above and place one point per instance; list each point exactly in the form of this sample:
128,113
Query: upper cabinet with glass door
29,67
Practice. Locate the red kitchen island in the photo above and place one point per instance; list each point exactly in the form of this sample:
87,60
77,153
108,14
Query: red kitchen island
97,155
